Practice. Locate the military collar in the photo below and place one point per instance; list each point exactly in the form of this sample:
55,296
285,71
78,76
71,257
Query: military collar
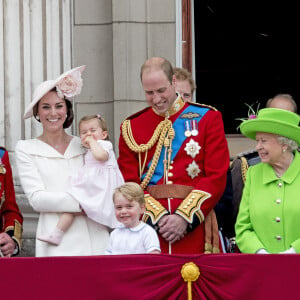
176,106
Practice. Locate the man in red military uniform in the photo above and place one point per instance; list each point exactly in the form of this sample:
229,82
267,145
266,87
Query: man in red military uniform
177,151
11,219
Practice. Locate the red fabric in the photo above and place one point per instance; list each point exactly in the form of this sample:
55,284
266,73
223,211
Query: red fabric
150,276
9,210
213,161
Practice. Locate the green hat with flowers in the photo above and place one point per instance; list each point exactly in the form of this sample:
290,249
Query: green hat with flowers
273,120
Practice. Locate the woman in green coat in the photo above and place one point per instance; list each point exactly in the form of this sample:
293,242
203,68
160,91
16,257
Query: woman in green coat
268,219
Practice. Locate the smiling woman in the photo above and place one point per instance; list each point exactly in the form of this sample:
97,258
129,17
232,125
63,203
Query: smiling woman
268,217
46,163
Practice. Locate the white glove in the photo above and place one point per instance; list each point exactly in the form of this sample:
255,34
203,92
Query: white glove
262,251
289,251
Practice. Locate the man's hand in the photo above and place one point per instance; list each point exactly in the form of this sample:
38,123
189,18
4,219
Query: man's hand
7,244
172,228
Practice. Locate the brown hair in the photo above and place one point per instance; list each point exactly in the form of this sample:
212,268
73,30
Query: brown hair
183,74
70,114
101,121
131,191
158,63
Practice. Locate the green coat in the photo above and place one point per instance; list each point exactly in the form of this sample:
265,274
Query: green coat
269,213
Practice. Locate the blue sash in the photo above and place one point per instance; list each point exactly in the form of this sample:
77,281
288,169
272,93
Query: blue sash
179,127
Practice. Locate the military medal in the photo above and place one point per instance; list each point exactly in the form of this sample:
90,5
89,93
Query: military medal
194,131
192,148
193,170
187,132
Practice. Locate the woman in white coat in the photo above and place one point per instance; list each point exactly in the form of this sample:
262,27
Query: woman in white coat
45,164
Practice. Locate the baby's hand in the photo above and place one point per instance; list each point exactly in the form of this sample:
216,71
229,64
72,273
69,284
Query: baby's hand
88,140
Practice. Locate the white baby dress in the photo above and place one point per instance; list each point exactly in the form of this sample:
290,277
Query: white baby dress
94,184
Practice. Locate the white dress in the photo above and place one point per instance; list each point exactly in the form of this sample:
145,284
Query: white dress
136,240
94,184
44,174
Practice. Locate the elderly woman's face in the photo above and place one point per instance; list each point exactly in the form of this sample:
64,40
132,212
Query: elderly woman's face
268,147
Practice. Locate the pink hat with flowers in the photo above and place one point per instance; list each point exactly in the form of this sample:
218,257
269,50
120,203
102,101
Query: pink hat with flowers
67,85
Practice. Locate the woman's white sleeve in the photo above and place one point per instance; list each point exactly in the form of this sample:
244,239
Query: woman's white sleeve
35,191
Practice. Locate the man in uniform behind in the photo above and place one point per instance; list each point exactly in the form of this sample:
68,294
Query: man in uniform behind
11,219
178,153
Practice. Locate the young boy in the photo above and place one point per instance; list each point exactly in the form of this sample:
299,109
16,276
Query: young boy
133,236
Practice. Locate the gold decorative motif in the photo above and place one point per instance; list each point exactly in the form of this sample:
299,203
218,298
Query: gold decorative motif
163,130
153,209
191,205
190,115
176,106
190,272
2,169
244,168
193,170
192,148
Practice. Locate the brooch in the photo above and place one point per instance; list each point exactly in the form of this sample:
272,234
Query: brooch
193,170
192,148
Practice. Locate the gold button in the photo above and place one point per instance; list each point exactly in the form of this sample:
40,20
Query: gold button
277,219
171,167
280,184
170,182
278,238
170,174
278,201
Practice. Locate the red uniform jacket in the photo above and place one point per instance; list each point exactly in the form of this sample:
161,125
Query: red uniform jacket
199,161
11,219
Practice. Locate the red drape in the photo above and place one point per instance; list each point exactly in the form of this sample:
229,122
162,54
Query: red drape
150,276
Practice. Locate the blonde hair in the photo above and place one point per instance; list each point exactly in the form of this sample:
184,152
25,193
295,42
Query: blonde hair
131,191
100,119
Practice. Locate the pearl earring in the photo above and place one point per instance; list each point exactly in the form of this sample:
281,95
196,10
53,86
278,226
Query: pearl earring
283,150
37,118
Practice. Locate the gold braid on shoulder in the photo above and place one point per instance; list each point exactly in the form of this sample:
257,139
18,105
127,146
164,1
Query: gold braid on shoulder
159,135
244,168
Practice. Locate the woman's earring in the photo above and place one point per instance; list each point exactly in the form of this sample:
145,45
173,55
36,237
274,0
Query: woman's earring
37,117
283,150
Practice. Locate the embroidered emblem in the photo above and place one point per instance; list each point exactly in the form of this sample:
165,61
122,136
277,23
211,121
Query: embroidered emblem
193,170
190,115
2,169
192,148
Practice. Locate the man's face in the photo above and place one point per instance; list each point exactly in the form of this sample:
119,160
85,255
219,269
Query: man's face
183,87
159,92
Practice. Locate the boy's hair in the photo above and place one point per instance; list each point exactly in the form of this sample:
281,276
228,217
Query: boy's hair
131,191
101,121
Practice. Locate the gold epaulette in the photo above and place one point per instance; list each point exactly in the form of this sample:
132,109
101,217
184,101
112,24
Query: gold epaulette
153,209
203,105
244,168
191,205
